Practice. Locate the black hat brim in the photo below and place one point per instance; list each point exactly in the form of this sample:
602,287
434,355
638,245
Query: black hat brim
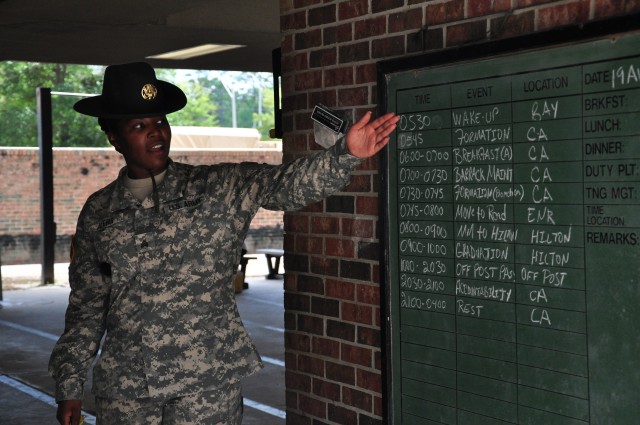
172,99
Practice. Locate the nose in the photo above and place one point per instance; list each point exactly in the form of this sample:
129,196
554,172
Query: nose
154,129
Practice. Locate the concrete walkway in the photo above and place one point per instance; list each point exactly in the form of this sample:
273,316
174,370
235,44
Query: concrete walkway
32,318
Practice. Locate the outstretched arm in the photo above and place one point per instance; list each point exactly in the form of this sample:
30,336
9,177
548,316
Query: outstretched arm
366,138
311,178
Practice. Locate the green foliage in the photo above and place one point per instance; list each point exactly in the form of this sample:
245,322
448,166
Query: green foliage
253,94
209,101
200,111
18,115
264,120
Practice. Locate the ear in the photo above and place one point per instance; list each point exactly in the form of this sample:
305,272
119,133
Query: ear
113,139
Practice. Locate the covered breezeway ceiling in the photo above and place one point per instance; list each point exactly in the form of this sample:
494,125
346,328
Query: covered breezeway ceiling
118,31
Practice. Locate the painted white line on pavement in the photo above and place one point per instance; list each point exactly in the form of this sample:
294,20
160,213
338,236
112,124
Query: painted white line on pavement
258,325
90,419
266,409
54,338
273,328
39,395
47,335
272,361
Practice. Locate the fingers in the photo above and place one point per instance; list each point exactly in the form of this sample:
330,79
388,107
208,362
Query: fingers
380,144
387,126
389,116
388,130
362,122
366,137
386,123
69,412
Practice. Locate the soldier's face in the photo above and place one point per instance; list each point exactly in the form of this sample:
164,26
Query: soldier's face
144,143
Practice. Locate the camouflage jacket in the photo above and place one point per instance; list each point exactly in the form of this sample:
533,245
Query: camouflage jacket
157,280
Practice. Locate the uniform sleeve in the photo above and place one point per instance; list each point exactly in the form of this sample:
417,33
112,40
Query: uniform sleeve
74,352
306,180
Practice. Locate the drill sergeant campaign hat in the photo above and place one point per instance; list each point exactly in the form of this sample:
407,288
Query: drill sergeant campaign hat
132,91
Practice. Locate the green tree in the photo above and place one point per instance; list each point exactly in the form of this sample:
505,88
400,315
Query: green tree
201,110
253,96
209,103
264,120
18,115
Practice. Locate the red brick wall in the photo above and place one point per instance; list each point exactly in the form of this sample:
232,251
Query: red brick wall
332,298
77,174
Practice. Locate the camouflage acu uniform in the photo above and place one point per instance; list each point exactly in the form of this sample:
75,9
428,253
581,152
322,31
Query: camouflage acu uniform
157,277
217,407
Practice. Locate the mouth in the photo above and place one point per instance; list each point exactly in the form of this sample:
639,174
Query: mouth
157,147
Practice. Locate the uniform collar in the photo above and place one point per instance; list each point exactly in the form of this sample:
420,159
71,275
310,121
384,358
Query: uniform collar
171,188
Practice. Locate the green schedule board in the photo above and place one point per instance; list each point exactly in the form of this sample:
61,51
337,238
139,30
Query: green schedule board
513,237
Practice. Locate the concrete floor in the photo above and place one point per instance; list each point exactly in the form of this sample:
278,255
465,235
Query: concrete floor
32,318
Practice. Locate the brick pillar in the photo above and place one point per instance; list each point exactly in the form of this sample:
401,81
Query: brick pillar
332,293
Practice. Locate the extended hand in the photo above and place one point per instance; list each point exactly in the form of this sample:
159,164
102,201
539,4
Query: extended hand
365,138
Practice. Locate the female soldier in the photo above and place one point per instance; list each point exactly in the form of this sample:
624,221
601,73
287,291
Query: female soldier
154,256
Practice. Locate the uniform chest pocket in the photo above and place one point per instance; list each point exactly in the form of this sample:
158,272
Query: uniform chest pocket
195,232
115,247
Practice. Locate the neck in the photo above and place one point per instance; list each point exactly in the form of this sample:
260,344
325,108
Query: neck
142,173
